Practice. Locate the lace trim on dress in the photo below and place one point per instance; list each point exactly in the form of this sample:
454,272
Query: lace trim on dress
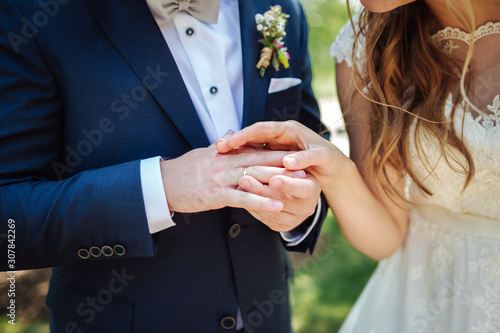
489,121
455,33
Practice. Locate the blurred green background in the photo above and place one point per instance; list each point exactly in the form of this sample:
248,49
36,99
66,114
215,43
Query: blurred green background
325,18
325,285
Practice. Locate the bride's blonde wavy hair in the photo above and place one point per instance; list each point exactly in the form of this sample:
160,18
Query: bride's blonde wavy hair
404,65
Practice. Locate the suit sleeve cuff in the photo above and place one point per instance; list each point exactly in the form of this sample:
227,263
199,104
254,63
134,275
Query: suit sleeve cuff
155,202
295,237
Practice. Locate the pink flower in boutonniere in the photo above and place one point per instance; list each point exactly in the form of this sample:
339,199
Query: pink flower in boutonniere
272,26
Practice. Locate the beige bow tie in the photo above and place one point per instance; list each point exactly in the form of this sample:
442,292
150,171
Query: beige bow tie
203,10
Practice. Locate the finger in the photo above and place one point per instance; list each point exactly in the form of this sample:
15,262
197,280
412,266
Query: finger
254,145
273,158
231,167
306,188
250,201
315,157
247,135
273,145
280,222
295,206
294,212
228,134
277,221
250,184
246,149
263,174
283,133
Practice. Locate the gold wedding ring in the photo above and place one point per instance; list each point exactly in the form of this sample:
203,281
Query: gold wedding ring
264,145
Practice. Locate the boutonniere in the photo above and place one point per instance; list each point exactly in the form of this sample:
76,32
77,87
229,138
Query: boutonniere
272,26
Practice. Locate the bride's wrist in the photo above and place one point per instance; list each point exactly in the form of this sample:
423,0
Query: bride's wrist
342,172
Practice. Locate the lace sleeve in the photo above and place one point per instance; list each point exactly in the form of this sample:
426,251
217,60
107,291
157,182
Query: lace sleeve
342,47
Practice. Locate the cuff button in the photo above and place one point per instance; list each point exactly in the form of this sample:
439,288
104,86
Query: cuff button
119,250
83,253
107,251
228,323
95,251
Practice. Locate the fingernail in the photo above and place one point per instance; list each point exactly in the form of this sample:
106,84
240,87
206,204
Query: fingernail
299,174
277,205
245,184
291,162
228,134
224,138
276,183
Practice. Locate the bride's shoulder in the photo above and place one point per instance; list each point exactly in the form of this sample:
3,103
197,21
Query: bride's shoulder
343,46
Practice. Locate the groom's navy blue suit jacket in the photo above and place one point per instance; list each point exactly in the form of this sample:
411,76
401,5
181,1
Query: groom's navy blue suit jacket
88,89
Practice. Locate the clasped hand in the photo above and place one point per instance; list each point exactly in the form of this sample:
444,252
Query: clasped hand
244,177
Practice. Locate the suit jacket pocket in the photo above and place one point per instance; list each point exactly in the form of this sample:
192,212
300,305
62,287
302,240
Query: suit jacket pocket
284,105
77,309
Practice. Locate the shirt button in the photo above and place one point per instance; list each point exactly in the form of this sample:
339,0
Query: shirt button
228,323
235,230
189,31
213,90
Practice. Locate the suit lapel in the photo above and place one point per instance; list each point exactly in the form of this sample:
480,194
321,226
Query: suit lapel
255,87
132,29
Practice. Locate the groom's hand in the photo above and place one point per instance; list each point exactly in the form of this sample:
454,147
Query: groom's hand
204,179
299,196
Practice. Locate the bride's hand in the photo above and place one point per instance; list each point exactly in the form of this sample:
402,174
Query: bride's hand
315,154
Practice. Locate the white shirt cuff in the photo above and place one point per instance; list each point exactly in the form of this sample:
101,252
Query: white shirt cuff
294,238
155,201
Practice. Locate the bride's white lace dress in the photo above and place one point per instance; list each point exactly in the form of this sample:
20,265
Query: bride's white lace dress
446,277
